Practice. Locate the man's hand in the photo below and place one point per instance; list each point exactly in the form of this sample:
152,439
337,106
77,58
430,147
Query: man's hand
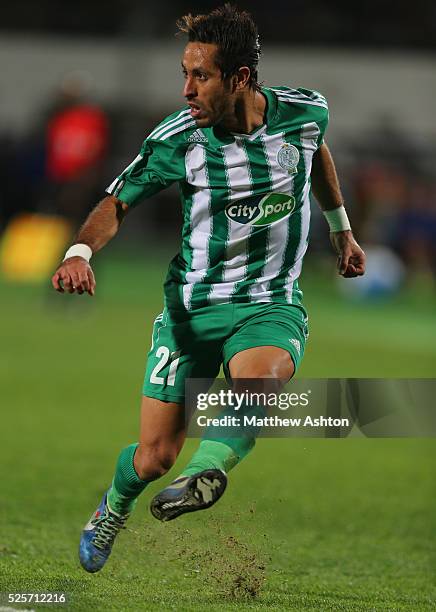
351,258
74,274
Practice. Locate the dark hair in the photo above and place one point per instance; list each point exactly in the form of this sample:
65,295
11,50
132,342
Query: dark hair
235,35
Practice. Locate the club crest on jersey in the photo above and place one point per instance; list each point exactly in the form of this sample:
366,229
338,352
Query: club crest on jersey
288,157
261,210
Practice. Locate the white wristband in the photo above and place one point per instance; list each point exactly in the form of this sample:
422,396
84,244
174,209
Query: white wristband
79,250
337,219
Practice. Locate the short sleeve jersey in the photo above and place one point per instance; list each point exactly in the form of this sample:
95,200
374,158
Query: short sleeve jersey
245,199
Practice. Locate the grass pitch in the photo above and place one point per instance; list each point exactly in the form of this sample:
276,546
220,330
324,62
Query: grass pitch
306,524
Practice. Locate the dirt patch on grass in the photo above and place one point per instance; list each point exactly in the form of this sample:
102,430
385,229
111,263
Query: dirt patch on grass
223,563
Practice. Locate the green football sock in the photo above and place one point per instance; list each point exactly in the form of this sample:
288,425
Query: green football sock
219,450
126,485
223,454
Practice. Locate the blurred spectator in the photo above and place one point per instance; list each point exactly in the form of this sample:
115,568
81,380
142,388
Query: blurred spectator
415,238
77,138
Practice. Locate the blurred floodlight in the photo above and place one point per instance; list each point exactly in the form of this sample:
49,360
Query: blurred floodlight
32,245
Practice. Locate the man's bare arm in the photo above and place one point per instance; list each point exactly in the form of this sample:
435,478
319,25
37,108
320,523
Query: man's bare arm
75,273
102,223
326,189
325,182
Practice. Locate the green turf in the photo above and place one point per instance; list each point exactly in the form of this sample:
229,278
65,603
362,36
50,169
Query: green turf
306,524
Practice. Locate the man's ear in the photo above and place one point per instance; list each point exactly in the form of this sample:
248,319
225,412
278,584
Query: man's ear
242,77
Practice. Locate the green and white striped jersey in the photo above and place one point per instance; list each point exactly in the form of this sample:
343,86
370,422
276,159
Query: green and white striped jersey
245,198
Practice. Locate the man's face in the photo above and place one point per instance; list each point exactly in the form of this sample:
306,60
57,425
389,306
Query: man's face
208,95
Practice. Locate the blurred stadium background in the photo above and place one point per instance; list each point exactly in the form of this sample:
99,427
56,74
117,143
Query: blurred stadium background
82,85
101,79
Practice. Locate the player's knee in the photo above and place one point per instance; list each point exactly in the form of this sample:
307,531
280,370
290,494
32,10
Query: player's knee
152,462
260,371
275,371
271,365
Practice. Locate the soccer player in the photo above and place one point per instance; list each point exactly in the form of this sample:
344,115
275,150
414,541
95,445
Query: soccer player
244,157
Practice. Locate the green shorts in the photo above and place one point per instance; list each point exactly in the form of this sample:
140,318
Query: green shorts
194,344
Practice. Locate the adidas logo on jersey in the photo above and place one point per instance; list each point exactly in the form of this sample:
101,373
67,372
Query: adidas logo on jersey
197,136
